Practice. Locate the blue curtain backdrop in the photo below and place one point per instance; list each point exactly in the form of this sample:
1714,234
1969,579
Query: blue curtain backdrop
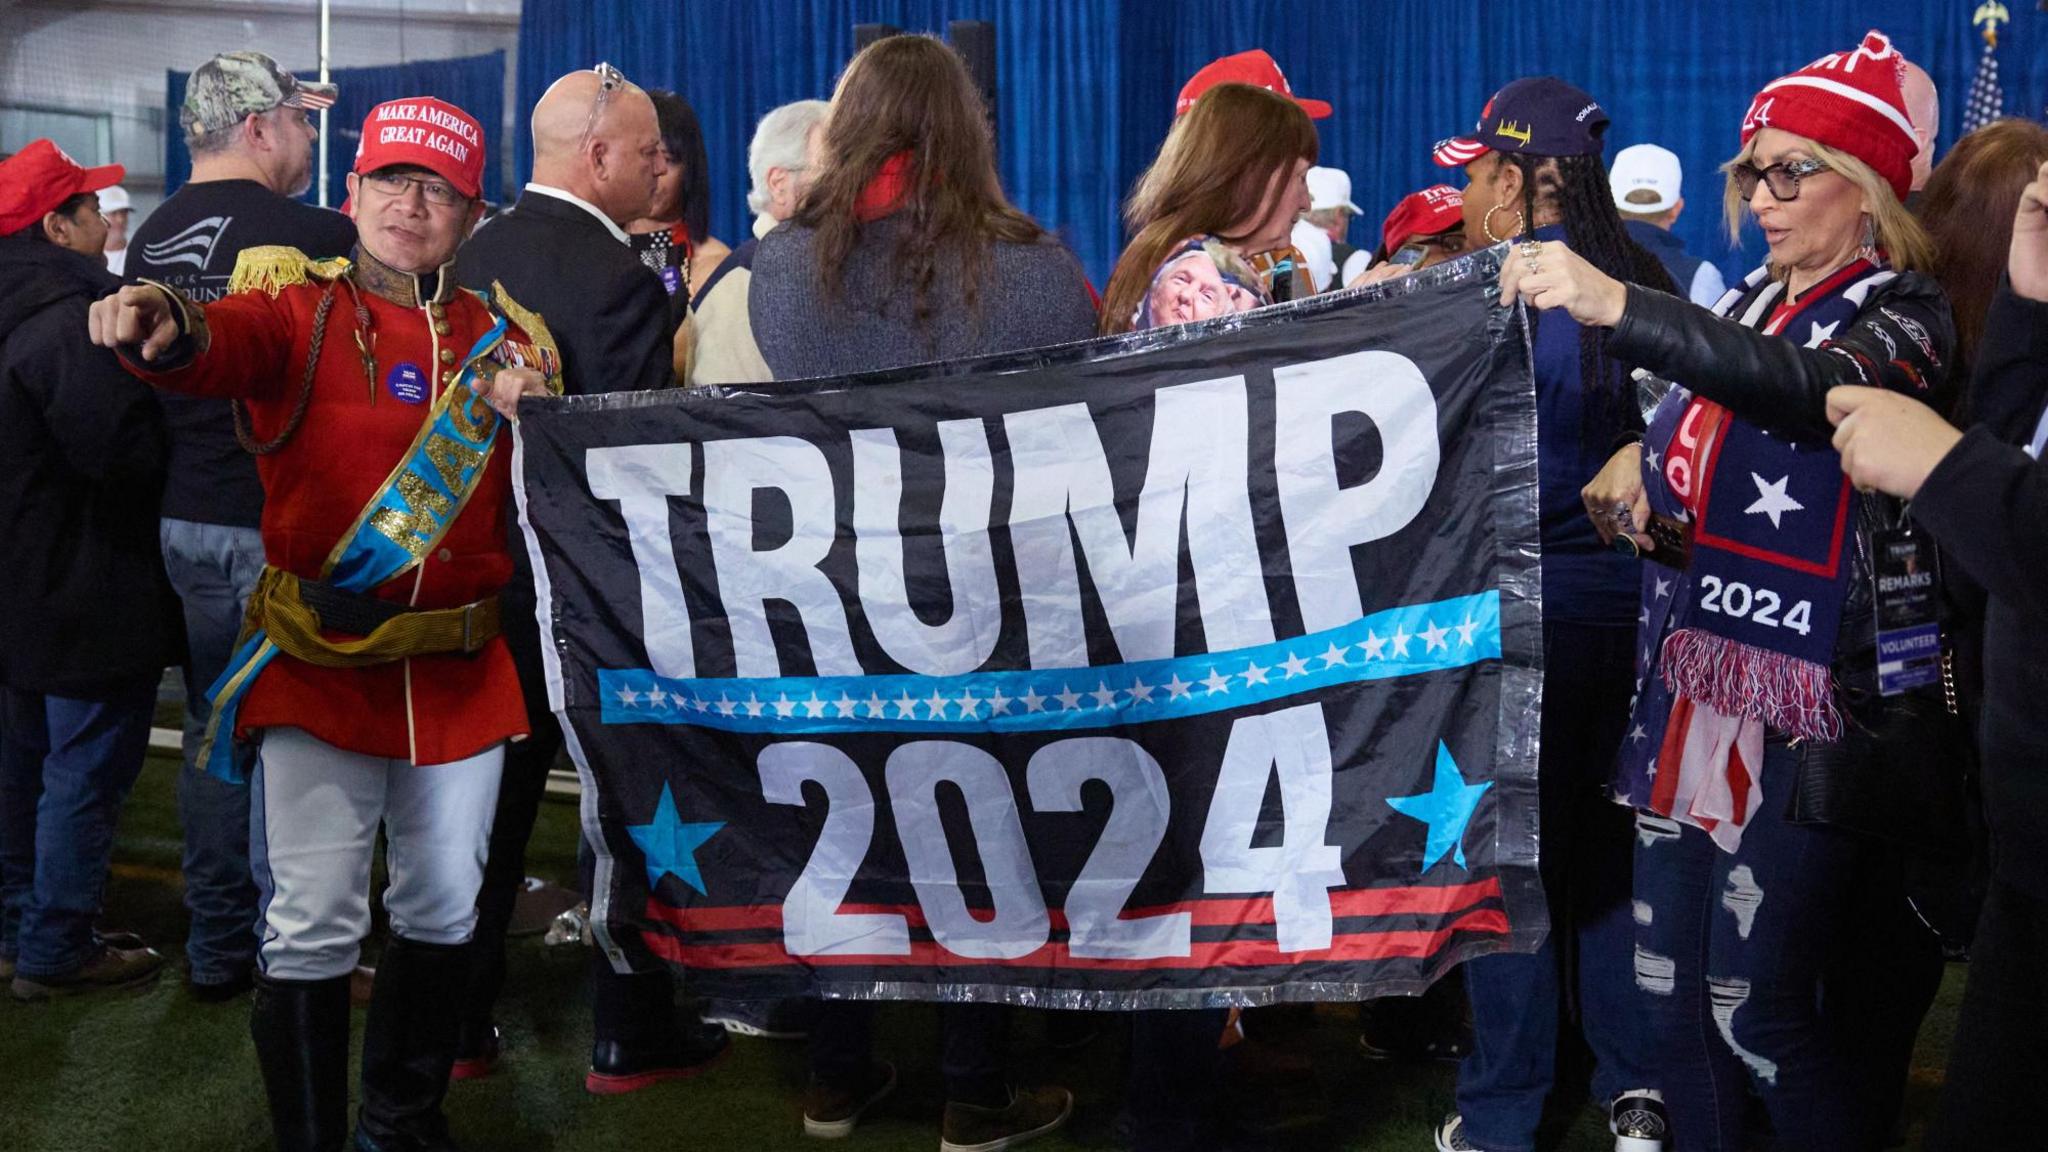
1087,86
475,84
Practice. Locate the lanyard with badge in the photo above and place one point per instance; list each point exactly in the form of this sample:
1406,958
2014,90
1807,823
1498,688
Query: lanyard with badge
1906,570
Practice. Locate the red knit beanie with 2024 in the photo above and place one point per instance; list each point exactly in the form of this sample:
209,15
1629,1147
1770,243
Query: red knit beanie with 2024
1850,101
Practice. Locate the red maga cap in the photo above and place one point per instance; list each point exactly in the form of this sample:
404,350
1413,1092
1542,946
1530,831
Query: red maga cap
35,180
1255,68
1434,210
427,133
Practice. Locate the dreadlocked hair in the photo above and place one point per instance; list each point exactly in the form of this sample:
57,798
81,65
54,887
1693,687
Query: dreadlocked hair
1576,188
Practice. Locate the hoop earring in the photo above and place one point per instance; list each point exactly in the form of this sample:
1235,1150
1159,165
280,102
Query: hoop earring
1486,224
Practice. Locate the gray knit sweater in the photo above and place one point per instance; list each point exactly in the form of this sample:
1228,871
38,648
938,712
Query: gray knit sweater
1031,296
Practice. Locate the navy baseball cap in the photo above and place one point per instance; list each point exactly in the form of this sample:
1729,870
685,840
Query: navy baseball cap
1538,115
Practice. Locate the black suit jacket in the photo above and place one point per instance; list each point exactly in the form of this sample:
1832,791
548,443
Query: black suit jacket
607,311
610,319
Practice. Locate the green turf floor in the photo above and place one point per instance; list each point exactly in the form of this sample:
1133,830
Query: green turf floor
154,1071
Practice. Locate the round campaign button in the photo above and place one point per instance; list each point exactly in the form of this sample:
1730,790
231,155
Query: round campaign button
406,383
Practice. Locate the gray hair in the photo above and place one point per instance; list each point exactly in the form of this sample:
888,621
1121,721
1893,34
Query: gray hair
780,141
203,143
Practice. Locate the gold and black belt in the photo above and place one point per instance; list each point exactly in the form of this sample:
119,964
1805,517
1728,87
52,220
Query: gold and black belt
294,613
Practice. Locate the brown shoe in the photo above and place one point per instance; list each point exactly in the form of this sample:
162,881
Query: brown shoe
1032,1113
361,983
109,968
831,1112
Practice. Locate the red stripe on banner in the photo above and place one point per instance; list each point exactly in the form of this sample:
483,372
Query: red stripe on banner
732,918
1223,954
1220,913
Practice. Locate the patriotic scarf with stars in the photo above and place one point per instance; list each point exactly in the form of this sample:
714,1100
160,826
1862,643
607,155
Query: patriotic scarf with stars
1742,640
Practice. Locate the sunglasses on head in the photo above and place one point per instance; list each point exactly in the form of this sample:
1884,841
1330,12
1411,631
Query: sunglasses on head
609,80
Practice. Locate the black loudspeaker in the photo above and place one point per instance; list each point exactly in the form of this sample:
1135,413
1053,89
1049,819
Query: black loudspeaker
866,34
975,41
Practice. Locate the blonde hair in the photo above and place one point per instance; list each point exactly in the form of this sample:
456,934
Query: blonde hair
1900,237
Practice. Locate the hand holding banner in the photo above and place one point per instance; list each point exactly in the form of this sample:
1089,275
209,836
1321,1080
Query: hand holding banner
1196,666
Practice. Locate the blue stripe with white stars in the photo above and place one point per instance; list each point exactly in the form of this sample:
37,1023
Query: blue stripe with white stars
1402,641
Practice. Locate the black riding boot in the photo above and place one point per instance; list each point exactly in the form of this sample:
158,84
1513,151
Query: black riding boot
408,1046
301,1032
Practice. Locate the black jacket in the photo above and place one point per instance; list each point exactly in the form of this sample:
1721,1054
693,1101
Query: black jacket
607,311
610,317
1902,339
1987,504
82,452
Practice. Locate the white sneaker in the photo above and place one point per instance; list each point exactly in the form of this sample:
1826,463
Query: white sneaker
1638,1121
1450,1135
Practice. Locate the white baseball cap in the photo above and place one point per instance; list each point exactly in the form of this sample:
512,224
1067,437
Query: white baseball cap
114,199
1645,179
1330,188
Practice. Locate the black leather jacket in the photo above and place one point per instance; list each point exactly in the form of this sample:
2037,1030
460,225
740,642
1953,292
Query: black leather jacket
1902,339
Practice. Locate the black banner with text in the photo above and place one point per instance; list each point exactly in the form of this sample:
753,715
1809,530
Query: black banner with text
1197,666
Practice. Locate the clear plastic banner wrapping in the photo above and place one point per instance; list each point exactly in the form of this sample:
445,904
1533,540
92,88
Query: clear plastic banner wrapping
1193,667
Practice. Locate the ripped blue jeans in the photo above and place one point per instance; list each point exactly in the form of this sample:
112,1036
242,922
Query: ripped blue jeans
1730,948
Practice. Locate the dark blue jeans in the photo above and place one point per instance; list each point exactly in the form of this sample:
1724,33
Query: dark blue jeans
213,567
65,767
1730,951
1582,971
971,1055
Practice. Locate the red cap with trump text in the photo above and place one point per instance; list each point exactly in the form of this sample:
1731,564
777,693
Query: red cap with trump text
422,132
1433,211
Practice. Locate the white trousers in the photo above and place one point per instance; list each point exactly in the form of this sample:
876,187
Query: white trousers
314,814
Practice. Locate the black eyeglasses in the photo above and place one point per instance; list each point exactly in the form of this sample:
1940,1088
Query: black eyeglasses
437,192
609,80
1783,178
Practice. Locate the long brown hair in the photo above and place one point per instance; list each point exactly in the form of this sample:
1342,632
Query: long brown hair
1968,208
913,95
1216,168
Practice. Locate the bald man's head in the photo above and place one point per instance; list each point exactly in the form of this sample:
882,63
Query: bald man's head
599,142
1923,108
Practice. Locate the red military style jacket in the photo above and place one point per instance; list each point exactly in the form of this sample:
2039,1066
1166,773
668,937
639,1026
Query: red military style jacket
366,404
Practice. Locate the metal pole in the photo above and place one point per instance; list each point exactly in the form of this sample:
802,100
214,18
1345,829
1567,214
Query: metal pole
325,41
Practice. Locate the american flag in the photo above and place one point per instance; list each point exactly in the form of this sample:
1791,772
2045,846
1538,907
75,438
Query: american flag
1987,100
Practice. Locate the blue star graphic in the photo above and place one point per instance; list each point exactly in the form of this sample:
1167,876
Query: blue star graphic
1447,807
671,845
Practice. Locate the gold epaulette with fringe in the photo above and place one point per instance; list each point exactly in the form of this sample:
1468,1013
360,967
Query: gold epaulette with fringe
536,330
272,268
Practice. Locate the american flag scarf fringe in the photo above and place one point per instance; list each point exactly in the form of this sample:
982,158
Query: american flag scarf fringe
1743,639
